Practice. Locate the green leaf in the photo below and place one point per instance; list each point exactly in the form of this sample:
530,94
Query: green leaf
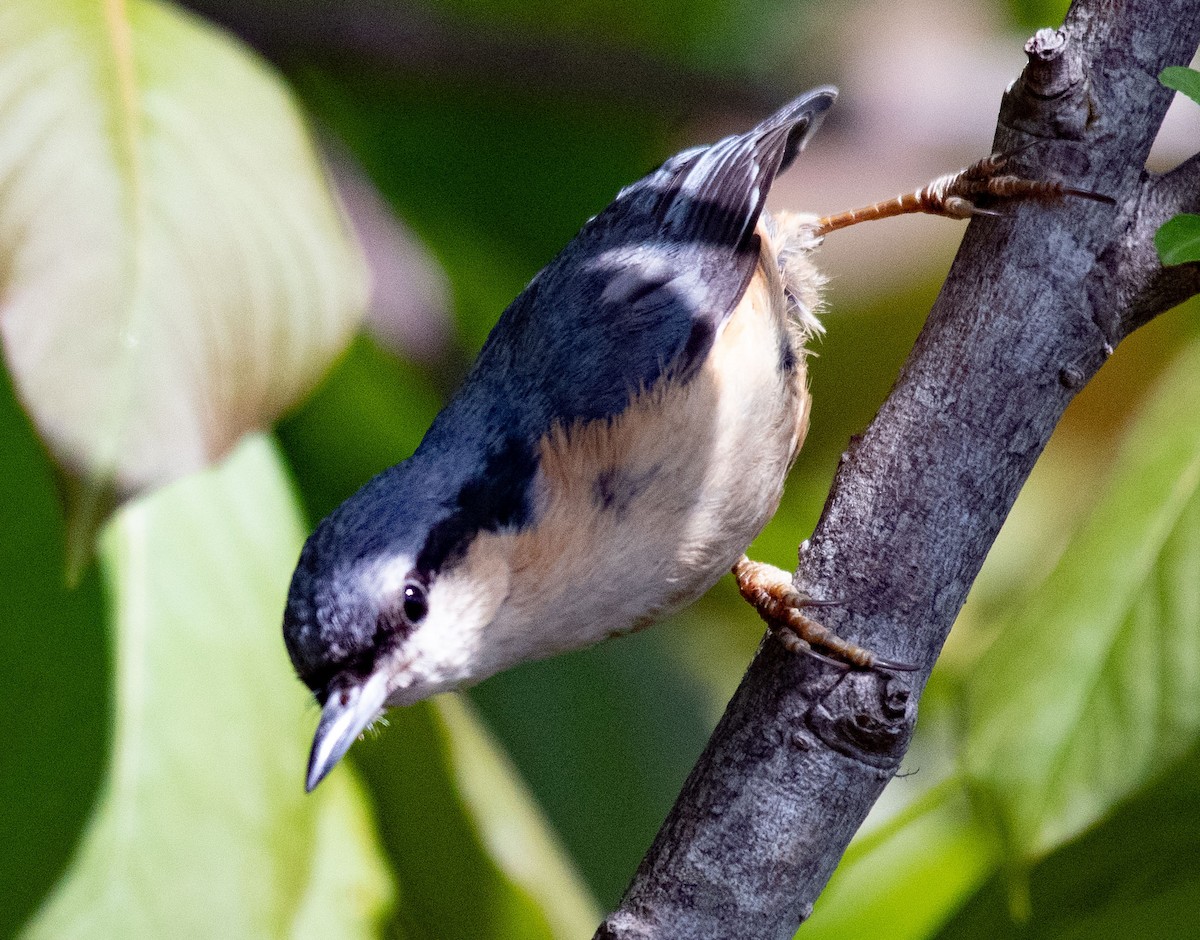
1095,684
203,827
175,270
511,825
1137,874
473,857
1183,79
1178,239
905,880
347,887
54,670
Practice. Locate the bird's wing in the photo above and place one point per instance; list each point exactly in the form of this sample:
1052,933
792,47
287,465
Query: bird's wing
644,287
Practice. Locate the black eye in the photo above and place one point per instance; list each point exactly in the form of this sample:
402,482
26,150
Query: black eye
416,603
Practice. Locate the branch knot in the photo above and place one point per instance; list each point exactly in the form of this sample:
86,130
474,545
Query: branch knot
868,717
1052,98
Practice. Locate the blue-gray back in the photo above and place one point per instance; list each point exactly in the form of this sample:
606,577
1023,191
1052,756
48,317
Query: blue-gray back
641,290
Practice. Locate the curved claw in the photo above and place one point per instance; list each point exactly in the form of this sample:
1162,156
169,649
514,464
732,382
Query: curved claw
806,601
894,666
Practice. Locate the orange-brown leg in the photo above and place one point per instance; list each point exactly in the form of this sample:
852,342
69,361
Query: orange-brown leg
770,591
954,195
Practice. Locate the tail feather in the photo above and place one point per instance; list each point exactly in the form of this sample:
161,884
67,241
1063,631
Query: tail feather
718,195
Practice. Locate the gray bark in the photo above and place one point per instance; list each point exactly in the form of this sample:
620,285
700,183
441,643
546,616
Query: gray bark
1035,303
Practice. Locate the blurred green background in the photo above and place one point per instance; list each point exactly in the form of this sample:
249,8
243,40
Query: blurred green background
155,740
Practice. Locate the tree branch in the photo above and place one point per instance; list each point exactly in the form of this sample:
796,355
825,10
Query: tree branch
1034,304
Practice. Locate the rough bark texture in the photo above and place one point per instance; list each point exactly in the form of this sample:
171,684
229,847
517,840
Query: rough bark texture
1035,303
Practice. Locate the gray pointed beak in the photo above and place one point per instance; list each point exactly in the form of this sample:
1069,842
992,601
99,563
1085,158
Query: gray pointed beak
348,711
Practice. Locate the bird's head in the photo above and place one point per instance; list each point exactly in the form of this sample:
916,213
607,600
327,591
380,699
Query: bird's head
388,605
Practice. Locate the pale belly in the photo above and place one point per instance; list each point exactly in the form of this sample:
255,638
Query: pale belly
649,510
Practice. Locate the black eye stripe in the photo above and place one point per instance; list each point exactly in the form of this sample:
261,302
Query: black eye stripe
401,613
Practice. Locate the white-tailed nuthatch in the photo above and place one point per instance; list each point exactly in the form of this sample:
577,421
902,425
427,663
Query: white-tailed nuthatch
622,438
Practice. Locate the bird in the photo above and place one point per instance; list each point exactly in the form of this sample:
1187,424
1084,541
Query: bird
623,436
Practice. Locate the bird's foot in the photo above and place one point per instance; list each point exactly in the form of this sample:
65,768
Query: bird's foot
957,195
770,591
962,194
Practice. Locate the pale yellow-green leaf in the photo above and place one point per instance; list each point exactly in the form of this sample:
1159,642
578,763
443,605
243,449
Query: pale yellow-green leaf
904,880
348,888
174,270
511,826
1093,687
203,828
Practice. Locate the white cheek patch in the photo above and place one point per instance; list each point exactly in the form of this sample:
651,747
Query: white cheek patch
450,646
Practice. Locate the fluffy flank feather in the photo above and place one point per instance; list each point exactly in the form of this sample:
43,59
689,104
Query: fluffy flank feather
793,240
